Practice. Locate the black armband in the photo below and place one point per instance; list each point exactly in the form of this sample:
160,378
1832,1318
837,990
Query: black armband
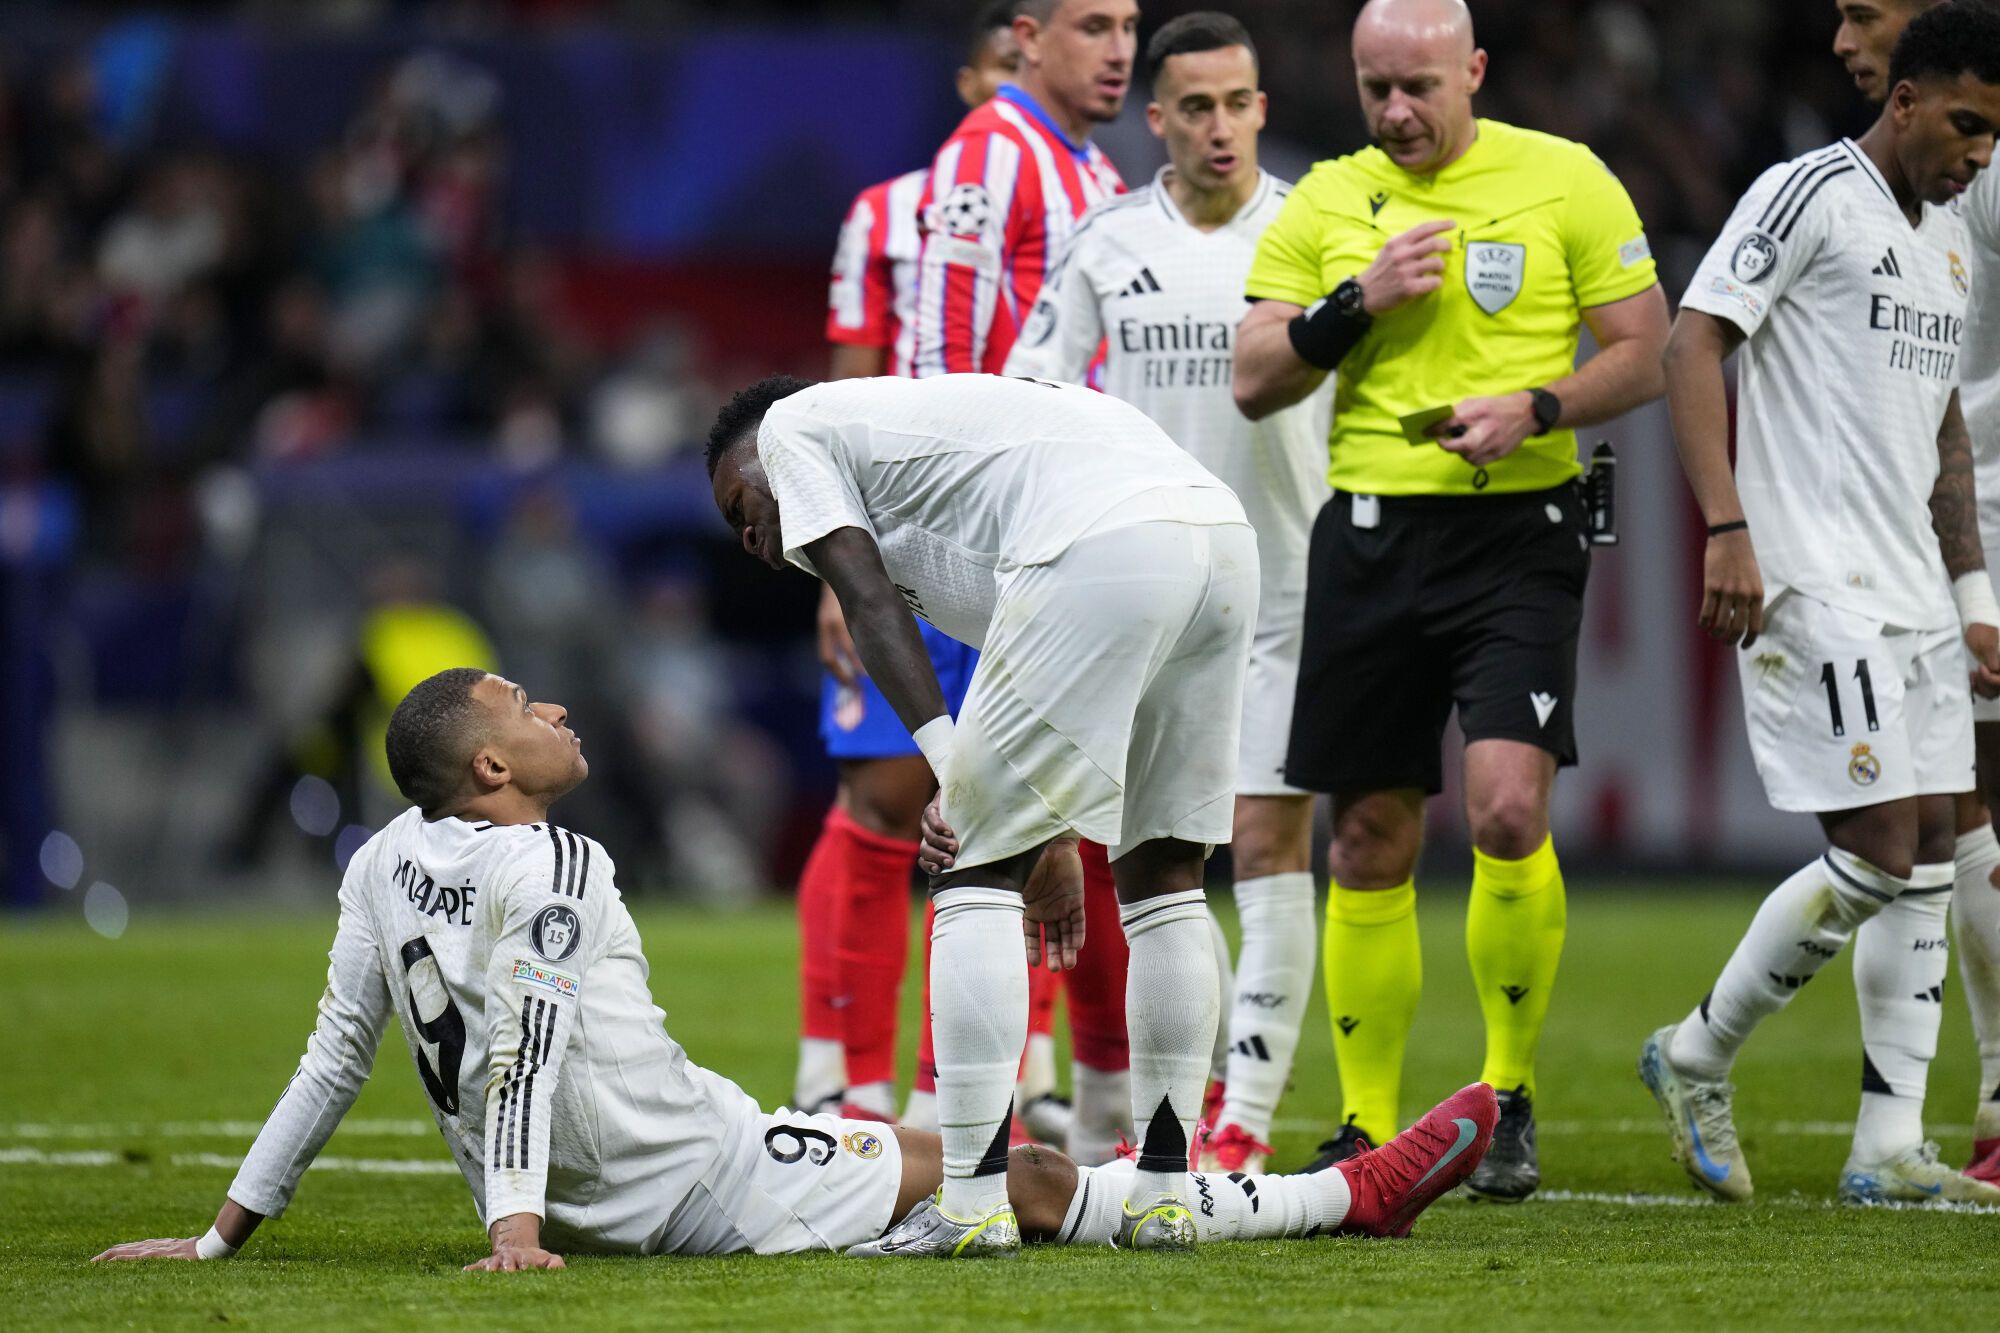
1325,334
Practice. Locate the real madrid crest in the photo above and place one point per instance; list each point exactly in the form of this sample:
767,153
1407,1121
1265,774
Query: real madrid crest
1960,282
1864,767
1493,272
862,1144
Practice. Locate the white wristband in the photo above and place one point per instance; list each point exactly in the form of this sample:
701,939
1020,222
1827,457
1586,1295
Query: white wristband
1976,604
213,1246
936,738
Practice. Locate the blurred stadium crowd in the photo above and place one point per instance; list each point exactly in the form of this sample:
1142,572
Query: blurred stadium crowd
267,400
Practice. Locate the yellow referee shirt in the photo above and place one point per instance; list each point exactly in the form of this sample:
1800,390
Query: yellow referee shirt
1544,231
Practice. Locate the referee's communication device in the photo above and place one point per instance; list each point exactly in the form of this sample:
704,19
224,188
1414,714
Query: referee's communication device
1600,495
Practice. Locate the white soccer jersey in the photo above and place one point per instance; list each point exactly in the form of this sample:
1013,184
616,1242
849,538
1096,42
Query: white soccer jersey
508,958
962,479
1979,391
1164,298
1853,321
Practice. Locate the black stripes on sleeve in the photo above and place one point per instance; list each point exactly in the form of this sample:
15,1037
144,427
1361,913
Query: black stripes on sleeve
572,872
513,1118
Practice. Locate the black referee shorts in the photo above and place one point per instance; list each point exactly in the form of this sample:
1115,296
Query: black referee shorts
1473,602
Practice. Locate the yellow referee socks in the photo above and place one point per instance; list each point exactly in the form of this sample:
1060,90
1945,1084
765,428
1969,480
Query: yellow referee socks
1514,937
1374,974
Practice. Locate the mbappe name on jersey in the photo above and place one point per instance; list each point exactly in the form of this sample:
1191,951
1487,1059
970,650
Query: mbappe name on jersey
453,903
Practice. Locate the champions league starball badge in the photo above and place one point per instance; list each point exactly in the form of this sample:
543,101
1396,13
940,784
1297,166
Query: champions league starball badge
555,933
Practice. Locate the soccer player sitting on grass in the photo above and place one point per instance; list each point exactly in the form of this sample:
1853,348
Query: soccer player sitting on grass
499,944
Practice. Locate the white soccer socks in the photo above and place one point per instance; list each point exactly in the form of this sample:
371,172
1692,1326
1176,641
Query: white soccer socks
1899,965
1274,978
1225,986
1804,922
979,1023
1975,919
1101,1101
1172,1005
1231,1207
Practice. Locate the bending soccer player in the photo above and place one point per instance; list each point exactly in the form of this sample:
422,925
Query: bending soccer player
1844,556
1161,270
498,943
1111,585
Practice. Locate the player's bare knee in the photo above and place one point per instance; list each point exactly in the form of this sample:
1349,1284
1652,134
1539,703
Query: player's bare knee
1158,867
1040,1184
1375,841
1509,823
1271,838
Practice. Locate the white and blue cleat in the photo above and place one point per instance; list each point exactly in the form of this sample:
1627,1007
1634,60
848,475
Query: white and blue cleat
1699,1121
1913,1176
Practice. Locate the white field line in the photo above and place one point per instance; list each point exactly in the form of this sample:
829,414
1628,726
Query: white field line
209,1129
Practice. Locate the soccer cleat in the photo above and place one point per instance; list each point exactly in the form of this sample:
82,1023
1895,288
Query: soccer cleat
929,1232
1985,1163
1392,1184
1231,1148
1912,1176
1047,1118
1166,1225
1349,1141
1511,1170
1699,1122
1205,1124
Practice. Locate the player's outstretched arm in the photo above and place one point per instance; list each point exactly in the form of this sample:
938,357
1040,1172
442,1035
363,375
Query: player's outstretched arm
884,632
517,1247
1732,592
353,1013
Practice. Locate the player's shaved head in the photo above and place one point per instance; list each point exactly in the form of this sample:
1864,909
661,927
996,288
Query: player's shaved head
1443,26
1417,68
433,735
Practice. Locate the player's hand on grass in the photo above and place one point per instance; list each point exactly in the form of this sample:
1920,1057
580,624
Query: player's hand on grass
1483,431
1052,922
150,1249
516,1259
1983,642
836,646
940,844
1409,266
1732,590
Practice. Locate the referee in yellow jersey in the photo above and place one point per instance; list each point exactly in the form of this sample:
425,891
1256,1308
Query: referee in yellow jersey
1443,276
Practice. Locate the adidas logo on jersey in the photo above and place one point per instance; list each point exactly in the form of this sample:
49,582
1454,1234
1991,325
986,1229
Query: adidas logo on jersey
1141,285
1888,267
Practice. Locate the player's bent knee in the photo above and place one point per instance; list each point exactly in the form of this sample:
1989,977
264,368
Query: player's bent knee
1040,1184
1510,825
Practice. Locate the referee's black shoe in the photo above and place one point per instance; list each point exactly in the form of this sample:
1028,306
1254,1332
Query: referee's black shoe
1349,1142
1511,1170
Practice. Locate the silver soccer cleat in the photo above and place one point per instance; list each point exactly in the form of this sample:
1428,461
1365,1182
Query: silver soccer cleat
1700,1122
929,1232
1913,1176
1166,1225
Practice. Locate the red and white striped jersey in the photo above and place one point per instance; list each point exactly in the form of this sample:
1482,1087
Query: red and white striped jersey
874,287
1003,196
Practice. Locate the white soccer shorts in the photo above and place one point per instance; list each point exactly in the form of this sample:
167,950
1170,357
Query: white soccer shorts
1108,699
1843,712
789,1183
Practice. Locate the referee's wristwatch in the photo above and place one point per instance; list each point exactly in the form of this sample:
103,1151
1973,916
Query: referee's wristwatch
1548,410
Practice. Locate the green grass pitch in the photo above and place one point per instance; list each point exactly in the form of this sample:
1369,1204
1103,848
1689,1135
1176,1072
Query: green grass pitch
122,1056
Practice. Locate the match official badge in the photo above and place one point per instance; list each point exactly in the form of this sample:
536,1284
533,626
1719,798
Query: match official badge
862,1144
1755,256
1959,281
555,932
1493,271
1864,767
